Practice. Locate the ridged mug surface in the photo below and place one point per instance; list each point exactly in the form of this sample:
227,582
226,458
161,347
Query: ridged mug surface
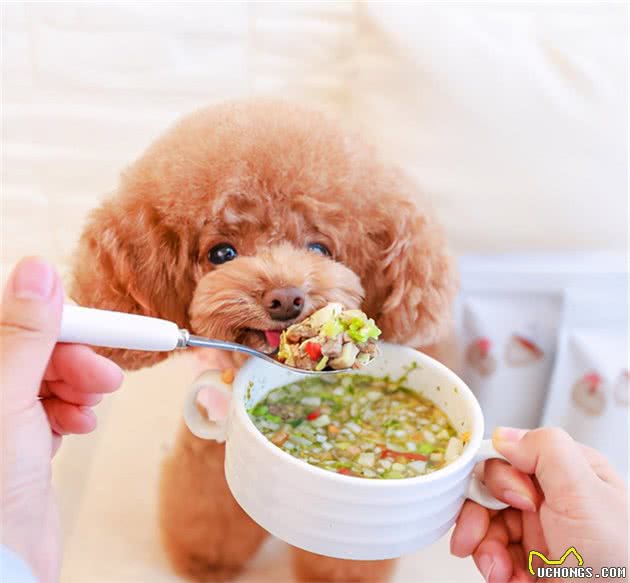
343,516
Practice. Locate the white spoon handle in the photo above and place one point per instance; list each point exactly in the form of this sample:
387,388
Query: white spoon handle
131,332
117,330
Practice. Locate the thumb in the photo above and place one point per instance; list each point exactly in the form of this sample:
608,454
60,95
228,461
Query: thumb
551,455
30,317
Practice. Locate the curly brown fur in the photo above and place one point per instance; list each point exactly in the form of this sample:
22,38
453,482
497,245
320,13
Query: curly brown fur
216,547
310,568
228,302
269,178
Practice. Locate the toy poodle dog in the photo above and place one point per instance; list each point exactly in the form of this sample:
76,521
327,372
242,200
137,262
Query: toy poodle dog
240,220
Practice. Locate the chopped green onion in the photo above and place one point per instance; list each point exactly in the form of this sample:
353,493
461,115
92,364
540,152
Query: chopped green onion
260,410
321,365
425,449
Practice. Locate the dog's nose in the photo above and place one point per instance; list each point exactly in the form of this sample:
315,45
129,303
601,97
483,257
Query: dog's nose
285,303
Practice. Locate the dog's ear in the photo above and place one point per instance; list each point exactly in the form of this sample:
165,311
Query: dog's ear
128,260
408,274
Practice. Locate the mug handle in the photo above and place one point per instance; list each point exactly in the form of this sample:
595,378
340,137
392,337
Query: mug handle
477,490
214,427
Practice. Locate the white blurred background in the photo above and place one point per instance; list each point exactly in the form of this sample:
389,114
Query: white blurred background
512,116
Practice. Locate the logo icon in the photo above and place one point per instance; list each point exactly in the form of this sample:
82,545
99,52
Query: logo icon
560,561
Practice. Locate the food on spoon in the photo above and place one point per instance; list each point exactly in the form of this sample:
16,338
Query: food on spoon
330,338
359,425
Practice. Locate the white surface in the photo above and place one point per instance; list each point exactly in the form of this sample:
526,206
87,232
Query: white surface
117,330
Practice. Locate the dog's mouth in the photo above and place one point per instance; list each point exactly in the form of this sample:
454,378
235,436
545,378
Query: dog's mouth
265,336
266,341
260,334
273,338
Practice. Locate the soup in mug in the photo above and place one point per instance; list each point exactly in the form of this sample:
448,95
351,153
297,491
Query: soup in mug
359,425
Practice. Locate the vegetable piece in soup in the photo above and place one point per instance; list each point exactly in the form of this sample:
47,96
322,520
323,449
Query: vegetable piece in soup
359,425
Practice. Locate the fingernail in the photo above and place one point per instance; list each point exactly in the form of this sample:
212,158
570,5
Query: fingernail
87,412
486,565
115,370
519,500
509,433
33,279
95,399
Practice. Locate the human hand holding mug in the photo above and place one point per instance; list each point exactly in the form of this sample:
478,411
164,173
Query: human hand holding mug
562,494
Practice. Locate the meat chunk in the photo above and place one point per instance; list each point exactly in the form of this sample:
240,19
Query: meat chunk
299,333
305,363
370,348
332,347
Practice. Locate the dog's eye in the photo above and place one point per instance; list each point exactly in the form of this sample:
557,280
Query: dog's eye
319,248
222,253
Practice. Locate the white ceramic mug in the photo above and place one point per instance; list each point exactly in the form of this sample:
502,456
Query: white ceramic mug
329,513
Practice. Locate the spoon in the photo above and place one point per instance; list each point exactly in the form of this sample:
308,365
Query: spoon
109,329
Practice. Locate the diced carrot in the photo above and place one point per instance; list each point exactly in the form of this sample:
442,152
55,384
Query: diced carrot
314,350
403,456
333,430
279,438
416,456
227,376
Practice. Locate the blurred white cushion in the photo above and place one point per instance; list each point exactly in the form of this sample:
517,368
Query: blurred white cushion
512,117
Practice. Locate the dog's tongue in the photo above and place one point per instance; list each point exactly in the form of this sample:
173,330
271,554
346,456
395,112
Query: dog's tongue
273,337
